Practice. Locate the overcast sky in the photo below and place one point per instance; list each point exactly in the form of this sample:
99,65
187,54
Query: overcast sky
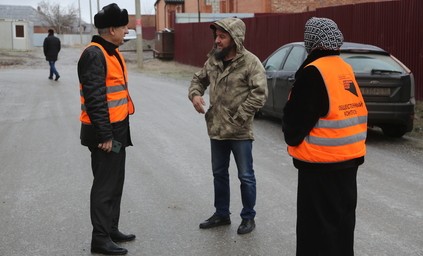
147,6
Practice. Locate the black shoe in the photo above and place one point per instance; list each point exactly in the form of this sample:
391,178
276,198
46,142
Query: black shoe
215,221
118,236
108,248
57,78
50,77
246,226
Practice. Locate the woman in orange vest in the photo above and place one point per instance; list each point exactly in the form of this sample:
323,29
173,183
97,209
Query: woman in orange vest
105,109
325,127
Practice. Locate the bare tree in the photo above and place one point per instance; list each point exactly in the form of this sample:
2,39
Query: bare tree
61,19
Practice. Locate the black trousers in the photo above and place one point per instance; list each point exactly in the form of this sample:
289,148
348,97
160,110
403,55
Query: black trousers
326,204
106,192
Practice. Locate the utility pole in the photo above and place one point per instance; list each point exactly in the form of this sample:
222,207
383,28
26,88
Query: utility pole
198,6
140,57
91,16
80,25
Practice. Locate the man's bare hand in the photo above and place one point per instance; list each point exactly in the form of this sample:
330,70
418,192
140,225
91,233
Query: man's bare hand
106,146
198,103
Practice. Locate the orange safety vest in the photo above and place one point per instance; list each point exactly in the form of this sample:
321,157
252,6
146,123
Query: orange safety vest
118,99
341,134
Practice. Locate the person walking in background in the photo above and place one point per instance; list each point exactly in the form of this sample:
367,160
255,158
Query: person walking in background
105,109
325,127
238,89
51,47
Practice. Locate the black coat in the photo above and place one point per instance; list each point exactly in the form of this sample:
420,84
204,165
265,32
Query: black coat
92,75
51,47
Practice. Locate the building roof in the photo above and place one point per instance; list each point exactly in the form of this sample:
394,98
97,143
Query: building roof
19,12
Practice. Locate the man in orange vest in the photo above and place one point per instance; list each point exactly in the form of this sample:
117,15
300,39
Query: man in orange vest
105,109
325,127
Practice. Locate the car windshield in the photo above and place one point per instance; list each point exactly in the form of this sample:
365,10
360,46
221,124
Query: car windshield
372,63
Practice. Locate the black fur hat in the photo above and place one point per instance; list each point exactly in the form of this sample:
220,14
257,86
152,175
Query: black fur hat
111,16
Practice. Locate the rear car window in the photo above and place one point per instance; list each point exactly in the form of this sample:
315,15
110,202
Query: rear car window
365,63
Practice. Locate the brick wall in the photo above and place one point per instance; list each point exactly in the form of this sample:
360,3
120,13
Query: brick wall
146,21
271,6
266,6
294,6
248,6
191,6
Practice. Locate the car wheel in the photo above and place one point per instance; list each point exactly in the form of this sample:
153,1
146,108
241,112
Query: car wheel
395,131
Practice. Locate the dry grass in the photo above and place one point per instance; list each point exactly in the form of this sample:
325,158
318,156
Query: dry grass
162,67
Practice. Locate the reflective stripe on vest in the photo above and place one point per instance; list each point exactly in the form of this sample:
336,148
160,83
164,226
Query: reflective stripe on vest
110,104
118,99
341,134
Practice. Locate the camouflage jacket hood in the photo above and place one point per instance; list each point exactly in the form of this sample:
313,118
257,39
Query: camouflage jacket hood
236,29
236,92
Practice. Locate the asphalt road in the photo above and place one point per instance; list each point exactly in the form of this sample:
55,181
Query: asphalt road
45,177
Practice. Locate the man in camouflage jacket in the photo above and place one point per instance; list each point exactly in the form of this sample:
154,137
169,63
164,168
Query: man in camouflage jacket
237,90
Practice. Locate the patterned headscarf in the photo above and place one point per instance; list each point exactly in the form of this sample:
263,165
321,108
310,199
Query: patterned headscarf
322,33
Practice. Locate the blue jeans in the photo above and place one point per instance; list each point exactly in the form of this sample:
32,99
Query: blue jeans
242,151
53,69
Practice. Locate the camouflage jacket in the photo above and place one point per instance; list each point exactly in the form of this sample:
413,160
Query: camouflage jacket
236,92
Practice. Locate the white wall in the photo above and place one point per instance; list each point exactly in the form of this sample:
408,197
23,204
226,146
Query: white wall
66,40
8,39
208,17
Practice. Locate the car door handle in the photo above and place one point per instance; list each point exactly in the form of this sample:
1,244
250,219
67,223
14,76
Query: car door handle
291,79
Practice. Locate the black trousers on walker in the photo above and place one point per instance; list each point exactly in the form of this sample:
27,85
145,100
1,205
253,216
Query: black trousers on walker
326,204
106,192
